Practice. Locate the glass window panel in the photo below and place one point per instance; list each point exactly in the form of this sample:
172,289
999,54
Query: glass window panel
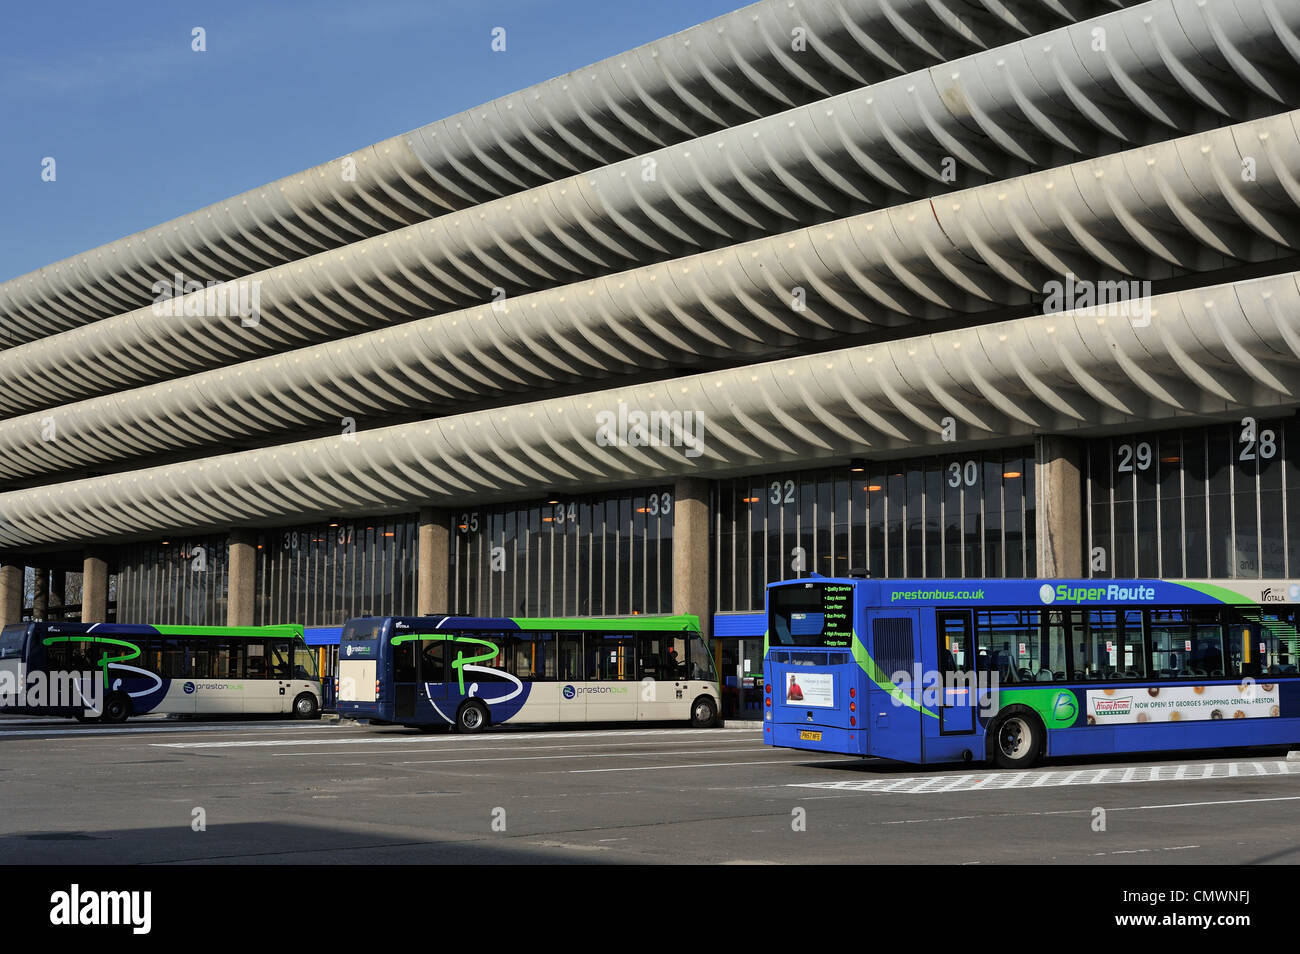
1146,474
1220,500
1128,456
914,522
933,519
992,484
1100,482
895,502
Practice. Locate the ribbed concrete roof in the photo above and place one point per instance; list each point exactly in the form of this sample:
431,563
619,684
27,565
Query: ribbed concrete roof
1158,211
1170,66
1206,352
720,73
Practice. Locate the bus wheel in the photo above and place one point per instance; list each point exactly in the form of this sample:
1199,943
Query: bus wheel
117,708
704,714
1017,740
305,707
472,717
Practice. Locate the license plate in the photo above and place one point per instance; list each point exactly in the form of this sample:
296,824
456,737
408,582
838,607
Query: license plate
807,736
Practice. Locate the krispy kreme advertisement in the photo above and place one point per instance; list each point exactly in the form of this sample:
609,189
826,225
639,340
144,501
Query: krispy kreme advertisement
1182,703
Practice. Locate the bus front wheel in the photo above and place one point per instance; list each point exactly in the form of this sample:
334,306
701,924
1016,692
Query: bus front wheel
305,707
472,717
704,714
1017,740
117,707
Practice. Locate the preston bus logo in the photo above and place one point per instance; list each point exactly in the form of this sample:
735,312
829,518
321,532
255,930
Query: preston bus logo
1046,593
570,692
189,688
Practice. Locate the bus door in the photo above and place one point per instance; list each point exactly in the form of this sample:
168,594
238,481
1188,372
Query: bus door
431,696
404,679
570,672
278,694
893,719
955,692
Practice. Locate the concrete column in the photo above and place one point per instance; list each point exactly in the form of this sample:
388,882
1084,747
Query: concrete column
41,594
94,587
692,584
433,562
11,593
241,589
1058,491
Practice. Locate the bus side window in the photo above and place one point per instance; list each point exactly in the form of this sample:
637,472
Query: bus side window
532,656
257,664
652,657
173,659
56,657
228,658
200,663
570,656
432,660
282,661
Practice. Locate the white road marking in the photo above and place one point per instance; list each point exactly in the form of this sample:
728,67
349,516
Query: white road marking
76,732
1051,779
505,737
548,758
657,768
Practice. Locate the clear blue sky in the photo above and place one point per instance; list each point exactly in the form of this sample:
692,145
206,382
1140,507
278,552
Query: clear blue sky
143,129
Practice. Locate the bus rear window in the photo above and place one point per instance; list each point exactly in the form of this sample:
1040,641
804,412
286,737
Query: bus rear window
356,630
811,614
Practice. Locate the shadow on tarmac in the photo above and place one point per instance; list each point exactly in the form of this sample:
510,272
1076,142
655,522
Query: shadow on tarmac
269,843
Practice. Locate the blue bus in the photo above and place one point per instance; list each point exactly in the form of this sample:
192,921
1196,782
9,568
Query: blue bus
930,671
467,673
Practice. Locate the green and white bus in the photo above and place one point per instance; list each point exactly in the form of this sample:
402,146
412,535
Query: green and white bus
470,672
111,671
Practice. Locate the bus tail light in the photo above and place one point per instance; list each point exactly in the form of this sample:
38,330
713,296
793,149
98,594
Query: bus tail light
853,692
853,720
769,702
376,688
853,707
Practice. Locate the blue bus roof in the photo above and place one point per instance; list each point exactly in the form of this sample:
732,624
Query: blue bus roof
1063,592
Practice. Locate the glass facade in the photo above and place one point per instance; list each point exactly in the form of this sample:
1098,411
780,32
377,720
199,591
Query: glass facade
960,516
1220,501
326,574
576,556
177,582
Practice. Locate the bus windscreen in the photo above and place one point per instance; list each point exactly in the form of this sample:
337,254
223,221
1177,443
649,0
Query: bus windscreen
811,614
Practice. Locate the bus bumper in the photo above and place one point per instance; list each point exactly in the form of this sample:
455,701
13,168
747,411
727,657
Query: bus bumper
815,738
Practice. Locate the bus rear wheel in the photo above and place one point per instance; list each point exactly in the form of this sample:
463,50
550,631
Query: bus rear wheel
117,708
305,707
472,717
704,714
1017,740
